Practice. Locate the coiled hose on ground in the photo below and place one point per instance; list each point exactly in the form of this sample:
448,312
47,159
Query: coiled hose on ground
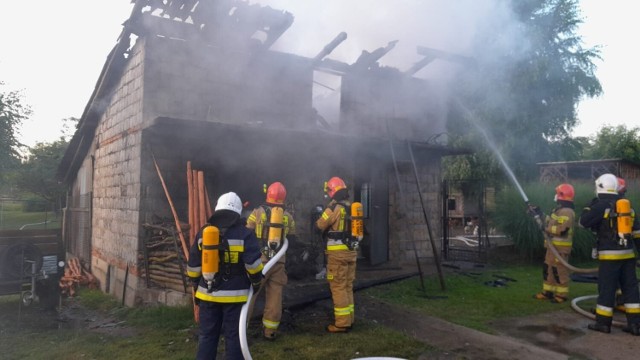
244,345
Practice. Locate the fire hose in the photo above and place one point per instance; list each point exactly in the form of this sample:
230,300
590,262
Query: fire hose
574,302
244,321
537,215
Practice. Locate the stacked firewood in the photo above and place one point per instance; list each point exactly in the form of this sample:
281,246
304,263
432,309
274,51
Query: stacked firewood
165,263
166,249
75,275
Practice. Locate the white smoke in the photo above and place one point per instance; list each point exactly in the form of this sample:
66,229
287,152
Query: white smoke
451,26
485,30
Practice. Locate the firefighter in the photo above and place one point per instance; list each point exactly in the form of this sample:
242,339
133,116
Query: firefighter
622,191
220,294
341,255
616,229
261,220
559,230
622,187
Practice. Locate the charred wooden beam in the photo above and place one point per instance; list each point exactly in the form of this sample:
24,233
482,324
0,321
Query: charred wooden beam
330,47
367,59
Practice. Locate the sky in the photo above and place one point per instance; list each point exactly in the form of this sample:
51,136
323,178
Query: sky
54,55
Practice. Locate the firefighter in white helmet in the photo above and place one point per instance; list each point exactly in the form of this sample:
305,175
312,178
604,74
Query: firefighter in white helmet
559,230
221,294
613,221
264,220
341,257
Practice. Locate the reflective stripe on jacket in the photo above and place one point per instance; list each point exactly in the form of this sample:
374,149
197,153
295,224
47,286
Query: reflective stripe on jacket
560,226
334,219
240,259
597,217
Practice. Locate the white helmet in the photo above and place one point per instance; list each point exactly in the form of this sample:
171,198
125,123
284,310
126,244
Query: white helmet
607,184
229,201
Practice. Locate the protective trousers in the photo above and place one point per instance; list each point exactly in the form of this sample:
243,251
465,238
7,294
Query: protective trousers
611,274
555,274
341,273
214,318
274,282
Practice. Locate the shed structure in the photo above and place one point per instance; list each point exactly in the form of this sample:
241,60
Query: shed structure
587,170
196,81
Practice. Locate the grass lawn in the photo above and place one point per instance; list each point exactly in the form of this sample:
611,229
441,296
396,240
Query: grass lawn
12,218
473,300
168,333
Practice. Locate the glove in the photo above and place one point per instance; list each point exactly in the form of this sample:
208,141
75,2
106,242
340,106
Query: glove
534,211
538,216
256,281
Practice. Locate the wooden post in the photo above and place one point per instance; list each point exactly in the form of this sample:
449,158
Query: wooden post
192,228
196,196
201,202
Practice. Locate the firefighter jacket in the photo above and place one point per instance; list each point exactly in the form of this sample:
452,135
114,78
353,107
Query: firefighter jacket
259,221
598,216
334,223
239,260
559,225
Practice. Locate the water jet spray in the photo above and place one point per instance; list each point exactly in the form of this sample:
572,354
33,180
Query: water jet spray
532,210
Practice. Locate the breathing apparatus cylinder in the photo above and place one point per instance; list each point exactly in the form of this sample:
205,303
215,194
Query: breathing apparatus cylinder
210,253
275,229
357,222
623,209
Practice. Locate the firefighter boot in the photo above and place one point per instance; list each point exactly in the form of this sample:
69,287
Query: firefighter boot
269,334
600,327
545,295
336,329
633,329
558,299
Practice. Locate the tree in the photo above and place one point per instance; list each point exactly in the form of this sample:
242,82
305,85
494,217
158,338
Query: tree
37,174
615,142
12,113
524,96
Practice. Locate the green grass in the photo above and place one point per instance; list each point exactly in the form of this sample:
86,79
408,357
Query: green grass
470,302
162,332
13,220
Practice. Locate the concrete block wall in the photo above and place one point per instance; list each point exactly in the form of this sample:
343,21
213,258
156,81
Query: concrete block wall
116,183
407,227
193,82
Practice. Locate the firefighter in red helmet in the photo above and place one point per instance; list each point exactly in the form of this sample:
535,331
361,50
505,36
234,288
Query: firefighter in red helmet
559,231
622,187
262,219
341,254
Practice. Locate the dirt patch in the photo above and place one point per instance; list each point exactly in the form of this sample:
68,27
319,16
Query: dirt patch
72,315
565,331
557,335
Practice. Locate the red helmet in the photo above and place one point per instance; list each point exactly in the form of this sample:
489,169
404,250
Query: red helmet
333,185
622,186
276,193
565,192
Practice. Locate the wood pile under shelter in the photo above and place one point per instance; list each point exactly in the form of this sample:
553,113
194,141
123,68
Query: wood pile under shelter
166,251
